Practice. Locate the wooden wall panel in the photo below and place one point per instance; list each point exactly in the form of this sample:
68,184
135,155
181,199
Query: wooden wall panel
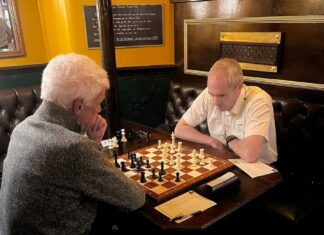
302,57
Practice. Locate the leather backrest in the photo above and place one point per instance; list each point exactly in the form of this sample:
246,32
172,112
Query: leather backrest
15,105
180,99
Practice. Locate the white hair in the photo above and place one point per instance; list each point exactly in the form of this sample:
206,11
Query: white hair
70,76
232,69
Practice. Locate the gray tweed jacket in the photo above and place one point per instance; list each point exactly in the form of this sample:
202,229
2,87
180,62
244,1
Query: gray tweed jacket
54,177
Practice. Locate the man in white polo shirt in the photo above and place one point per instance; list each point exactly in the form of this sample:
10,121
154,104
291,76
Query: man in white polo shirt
239,117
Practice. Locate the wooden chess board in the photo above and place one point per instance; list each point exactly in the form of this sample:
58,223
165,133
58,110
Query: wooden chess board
190,173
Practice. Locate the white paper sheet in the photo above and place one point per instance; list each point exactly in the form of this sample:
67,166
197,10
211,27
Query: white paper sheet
185,204
253,169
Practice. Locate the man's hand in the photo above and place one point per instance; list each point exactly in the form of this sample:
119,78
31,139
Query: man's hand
96,130
215,143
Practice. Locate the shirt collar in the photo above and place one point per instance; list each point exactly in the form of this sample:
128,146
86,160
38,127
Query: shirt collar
239,103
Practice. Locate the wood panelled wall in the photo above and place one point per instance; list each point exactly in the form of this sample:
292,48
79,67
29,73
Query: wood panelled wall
302,57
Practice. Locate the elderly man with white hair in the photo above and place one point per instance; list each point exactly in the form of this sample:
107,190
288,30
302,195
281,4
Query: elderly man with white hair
54,175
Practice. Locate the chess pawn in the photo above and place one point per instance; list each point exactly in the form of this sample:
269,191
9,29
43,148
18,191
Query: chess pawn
173,144
202,156
179,147
194,156
210,164
159,144
123,138
115,142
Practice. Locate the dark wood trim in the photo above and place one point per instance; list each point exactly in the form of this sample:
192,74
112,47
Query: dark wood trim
181,1
152,67
104,9
21,69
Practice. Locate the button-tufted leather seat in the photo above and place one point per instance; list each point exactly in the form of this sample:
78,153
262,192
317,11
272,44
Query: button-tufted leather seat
15,105
300,129
180,99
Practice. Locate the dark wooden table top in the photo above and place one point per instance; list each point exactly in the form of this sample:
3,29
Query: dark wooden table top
227,202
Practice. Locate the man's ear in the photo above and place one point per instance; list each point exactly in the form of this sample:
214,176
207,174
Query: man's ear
77,106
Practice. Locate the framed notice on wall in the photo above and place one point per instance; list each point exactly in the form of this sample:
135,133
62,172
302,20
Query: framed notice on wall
92,27
134,25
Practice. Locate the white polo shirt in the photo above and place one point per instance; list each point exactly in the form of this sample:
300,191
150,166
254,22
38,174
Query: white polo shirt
252,114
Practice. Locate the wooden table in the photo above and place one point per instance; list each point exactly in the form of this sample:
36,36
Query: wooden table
248,190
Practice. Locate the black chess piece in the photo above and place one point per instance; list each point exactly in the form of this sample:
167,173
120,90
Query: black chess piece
132,163
139,166
160,176
116,162
143,179
129,155
162,168
177,177
123,166
119,137
153,174
148,163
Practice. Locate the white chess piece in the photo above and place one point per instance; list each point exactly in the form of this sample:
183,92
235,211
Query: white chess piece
159,144
178,162
210,164
110,144
115,142
171,159
171,149
194,156
123,139
173,140
202,156
179,147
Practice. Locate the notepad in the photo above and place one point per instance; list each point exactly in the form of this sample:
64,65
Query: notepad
185,204
253,169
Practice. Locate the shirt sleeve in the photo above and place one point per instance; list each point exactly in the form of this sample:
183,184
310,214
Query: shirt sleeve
197,113
259,116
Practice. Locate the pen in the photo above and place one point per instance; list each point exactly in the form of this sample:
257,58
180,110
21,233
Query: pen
181,217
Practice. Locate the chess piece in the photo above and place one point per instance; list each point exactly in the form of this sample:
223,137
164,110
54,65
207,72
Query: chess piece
123,138
115,144
179,147
202,156
148,163
118,136
160,176
132,163
153,174
143,179
116,162
210,164
177,177
171,149
194,156
173,144
178,162
123,166
171,159
159,144
162,168
110,144
139,166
